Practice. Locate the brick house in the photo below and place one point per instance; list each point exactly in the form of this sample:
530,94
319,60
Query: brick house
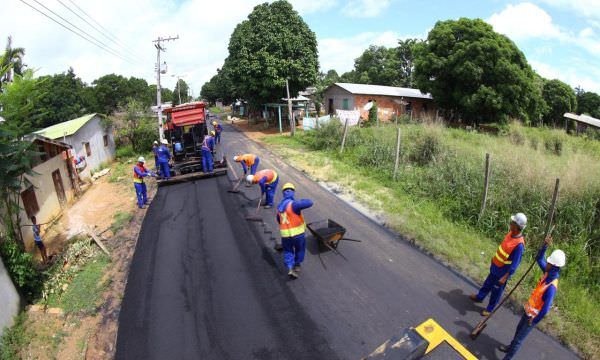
391,101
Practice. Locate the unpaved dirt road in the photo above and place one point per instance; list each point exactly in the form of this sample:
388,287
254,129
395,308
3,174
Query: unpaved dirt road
206,284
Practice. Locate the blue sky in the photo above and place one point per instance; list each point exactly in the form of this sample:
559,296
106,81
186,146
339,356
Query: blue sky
560,38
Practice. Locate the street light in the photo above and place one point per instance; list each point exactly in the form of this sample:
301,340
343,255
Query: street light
178,85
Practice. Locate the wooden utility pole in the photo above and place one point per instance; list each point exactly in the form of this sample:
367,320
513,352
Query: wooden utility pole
397,154
158,45
344,136
486,184
290,115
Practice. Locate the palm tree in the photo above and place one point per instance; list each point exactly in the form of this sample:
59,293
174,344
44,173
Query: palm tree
11,62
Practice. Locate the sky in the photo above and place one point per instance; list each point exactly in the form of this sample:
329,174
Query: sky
560,38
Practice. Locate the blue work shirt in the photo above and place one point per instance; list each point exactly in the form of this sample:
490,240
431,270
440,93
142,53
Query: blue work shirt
36,233
515,257
550,292
218,128
141,173
297,205
163,153
209,143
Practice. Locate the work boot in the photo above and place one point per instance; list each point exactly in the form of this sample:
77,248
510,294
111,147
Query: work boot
484,312
268,206
278,247
292,274
474,298
297,268
504,348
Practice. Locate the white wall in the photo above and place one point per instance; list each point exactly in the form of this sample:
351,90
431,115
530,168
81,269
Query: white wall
9,299
92,132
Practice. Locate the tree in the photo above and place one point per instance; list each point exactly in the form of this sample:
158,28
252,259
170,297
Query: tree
110,91
406,59
136,127
18,101
180,94
560,99
272,45
60,98
476,74
11,62
324,81
588,103
219,87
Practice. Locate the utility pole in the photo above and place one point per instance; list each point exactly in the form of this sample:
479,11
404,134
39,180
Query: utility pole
158,45
290,115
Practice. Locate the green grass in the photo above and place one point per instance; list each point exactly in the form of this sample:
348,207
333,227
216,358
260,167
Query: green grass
14,339
120,219
84,291
436,200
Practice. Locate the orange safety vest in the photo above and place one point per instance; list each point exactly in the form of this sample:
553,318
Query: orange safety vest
136,178
249,159
506,248
290,223
534,305
270,174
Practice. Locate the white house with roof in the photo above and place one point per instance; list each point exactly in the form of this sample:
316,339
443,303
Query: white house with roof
390,100
91,138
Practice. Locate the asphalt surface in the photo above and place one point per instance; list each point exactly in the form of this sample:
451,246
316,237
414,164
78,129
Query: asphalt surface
206,284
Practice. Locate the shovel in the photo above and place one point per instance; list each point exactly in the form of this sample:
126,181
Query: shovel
255,217
235,188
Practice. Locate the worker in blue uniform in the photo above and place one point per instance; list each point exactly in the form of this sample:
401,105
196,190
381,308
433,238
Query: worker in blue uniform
267,179
541,298
218,130
208,147
139,173
292,228
164,157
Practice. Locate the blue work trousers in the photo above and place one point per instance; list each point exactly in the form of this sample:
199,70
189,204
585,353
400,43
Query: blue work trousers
523,329
492,285
207,161
156,164
217,137
293,250
140,192
254,166
270,192
165,170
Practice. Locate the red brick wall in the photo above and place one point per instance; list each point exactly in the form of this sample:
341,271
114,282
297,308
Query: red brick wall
387,107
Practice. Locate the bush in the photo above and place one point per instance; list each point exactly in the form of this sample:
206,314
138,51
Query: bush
125,152
20,266
516,136
328,136
427,148
14,339
554,144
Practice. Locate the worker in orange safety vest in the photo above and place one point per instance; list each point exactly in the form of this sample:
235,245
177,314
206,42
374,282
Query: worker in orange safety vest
267,179
541,298
505,262
292,228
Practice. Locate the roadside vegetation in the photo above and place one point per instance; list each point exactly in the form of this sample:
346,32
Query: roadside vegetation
437,196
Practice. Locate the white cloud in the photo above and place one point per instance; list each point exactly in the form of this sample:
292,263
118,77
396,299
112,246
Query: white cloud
571,75
525,20
587,8
365,8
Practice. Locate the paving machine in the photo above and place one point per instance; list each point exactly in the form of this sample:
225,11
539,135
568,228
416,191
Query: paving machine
185,129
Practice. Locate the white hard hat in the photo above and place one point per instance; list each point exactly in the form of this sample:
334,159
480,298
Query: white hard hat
155,142
141,159
164,141
520,219
235,158
557,258
250,179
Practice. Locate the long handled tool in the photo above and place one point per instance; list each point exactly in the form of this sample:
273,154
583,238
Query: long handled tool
235,189
483,323
255,217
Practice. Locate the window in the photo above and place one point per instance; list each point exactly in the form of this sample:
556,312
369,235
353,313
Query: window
30,202
345,104
105,138
88,149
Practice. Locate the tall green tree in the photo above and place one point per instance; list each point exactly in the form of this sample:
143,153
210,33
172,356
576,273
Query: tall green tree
272,45
560,99
406,60
476,74
61,97
588,103
11,62
180,93
219,87
110,92
18,101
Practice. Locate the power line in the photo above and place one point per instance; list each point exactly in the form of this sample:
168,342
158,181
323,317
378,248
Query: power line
103,33
94,20
93,40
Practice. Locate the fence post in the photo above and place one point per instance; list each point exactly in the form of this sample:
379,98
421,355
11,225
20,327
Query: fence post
397,154
486,185
344,137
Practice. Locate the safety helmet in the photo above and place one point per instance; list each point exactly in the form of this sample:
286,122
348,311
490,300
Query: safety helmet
557,258
236,158
520,219
155,142
288,186
212,132
164,141
250,179
214,123
141,159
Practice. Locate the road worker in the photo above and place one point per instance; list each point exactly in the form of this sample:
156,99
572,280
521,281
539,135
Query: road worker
37,238
249,162
267,179
292,228
164,157
208,147
218,130
139,173
505,262
541,298
155,152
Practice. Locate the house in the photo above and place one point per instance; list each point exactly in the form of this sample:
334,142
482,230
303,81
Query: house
391,101
583,121
50,186
90,137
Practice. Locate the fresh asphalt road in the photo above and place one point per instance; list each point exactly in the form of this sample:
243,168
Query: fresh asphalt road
206,284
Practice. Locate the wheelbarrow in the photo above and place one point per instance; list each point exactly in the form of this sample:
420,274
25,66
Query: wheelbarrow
328,234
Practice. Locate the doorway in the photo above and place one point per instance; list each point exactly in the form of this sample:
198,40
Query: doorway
59,188
330,107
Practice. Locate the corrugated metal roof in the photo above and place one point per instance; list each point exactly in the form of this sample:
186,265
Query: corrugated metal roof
66,128
364,89
586,119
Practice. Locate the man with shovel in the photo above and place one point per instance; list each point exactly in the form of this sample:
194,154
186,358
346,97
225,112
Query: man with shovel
505,262
541,298
249,162
267,179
